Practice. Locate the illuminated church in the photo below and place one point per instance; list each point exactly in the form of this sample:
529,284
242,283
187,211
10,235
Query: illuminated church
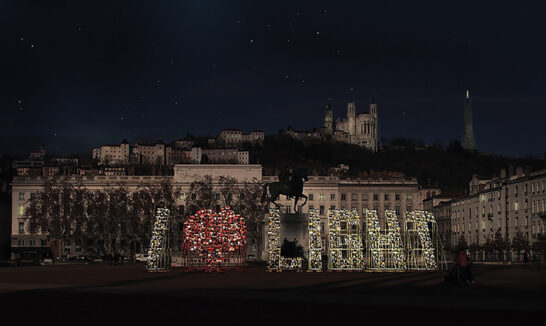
358,129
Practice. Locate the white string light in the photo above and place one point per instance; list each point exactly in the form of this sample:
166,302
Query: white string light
345,250
157,252
421,250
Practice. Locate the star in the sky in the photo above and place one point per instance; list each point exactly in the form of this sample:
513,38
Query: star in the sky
32,45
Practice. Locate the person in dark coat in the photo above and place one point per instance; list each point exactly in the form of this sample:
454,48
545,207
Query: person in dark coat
463,265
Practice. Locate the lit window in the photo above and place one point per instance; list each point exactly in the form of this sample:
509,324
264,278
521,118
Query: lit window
321,196
21,210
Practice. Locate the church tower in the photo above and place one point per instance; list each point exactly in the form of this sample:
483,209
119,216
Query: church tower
329,119
351,116
468,142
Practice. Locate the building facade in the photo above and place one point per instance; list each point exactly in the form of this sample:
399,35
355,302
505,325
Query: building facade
324,192
235,137
511,204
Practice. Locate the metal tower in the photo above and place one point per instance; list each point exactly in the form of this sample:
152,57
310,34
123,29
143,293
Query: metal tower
468,142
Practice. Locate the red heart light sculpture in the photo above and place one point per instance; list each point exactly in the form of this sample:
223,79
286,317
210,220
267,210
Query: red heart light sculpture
214,237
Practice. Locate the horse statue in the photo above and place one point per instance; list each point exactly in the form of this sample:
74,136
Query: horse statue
290,186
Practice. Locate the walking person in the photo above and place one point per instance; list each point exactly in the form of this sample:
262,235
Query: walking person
463,266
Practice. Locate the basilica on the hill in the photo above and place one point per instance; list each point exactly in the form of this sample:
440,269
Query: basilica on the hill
357,128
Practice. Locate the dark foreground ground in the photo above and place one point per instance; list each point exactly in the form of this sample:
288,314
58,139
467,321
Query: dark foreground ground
103,294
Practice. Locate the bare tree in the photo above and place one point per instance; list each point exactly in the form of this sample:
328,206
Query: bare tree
228,189
250,206
201,195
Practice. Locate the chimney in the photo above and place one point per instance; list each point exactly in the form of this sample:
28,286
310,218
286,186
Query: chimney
503,173
519,171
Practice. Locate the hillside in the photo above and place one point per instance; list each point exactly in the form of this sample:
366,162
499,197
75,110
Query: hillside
450,168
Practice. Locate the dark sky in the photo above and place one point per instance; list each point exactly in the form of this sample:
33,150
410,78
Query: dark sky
76,74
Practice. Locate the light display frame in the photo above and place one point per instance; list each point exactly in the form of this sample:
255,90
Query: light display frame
158,255
315,242
214,241
345,248
275,261
384,248
421,241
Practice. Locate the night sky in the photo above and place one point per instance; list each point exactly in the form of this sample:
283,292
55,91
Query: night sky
77,74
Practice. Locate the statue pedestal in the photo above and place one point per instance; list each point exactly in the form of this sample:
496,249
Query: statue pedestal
295,226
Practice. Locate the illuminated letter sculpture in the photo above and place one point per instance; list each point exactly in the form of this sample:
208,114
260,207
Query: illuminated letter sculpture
158,256
419,241
315,242
214,240
385,250
345,251
276,262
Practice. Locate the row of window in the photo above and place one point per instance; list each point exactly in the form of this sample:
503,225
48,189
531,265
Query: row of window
536,207
322,208
32,243
354,196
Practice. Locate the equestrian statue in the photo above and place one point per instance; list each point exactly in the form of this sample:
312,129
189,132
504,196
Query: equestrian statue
290,184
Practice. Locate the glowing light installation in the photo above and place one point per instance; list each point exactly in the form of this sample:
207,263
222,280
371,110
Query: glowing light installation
158,258
275,261
384,249
315,242
214,240
419,242
345,250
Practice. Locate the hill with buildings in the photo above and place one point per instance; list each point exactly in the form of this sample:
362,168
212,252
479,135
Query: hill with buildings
449,168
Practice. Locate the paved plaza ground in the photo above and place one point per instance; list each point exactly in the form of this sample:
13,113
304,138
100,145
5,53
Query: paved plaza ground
91,294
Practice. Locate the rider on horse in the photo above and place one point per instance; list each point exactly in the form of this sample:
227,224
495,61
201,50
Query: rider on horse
290,184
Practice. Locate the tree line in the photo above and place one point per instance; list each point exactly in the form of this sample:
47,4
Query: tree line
497,246
115,219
